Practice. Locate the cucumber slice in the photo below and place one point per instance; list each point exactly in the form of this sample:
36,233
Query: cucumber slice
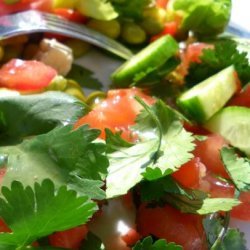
206,98
233,123
146,61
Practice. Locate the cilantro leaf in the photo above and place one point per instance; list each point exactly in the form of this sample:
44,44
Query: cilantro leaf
199,203
233,239
92,242
131,9
237,167
22,116
224,54
164,146
155,190
68,157
148,244
35,213
84,77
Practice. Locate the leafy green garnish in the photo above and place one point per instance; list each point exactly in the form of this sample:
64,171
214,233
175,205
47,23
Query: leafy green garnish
237,167
68,157
22,116
98,9
221,237
35,213
204,17
131,9
84,77
199,203
164,146
155,190
92,242
224,54
148,244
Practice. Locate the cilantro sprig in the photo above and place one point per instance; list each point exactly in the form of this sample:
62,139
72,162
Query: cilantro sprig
224,54
237,167
163,147
148,244
32,213
68,157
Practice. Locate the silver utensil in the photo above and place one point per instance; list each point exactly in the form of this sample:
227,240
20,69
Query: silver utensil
31,21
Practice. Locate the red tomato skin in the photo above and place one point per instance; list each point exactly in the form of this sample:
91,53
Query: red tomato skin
26,75
117,112
170,28
70,14
131,237
242,211
4,227
69,239
242,98
22,5
161,3
189,173
208,151
170,224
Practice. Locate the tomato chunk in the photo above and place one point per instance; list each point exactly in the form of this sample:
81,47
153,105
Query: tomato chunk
189,173
70,239
242,98
26,75
117,112
242,211
170,224
208,151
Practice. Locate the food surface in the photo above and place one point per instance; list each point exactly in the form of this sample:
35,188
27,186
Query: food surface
154,156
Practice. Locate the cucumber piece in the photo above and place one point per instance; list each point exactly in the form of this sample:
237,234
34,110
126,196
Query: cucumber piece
206,98
146,61
233,123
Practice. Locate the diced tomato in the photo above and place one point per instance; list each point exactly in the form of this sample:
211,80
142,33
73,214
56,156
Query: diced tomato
242,211
117,112
131,237
242,98
216,187
195,129
191,54
43,5
161,3
4,227
208,151
26,75
70,14
170,224
189,173
170,28
70,239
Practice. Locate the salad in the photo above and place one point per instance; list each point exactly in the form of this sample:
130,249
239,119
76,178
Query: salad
160,160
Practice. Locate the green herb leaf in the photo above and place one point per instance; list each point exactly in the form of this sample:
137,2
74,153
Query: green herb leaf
155,190
233,239
35,213
148,244
237,167
204,17
84,77
68,157
131,9
199,203
92,242
224,54
164,146
98,9
22,116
